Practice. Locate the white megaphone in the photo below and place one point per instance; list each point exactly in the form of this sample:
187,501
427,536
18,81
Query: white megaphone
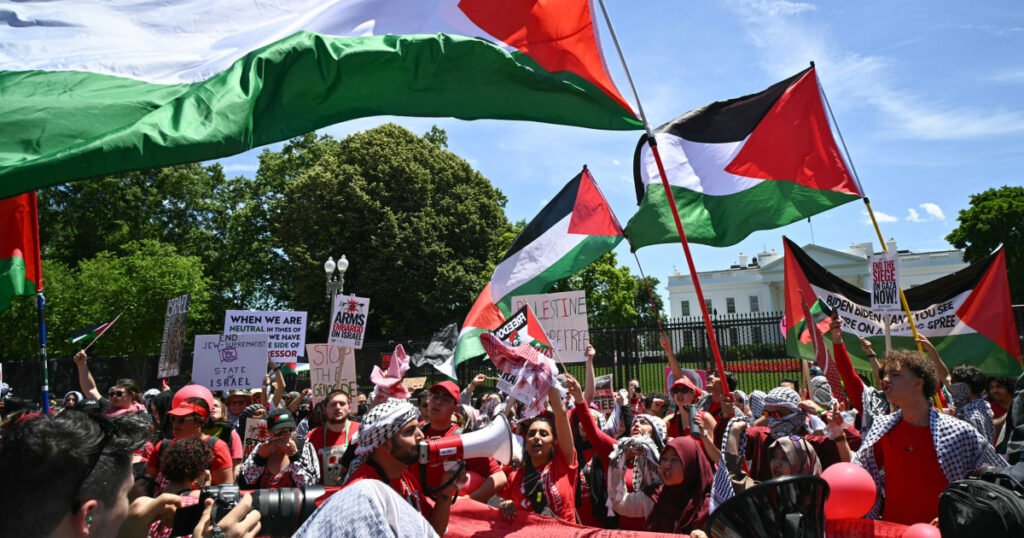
493,441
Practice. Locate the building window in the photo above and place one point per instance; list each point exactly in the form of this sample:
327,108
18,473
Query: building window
684,309
755,306
707,304
730,305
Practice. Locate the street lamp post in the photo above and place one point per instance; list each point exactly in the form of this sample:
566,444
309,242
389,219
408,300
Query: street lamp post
335,279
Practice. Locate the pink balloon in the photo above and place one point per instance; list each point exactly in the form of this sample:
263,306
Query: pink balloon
851,491
473,481
922,530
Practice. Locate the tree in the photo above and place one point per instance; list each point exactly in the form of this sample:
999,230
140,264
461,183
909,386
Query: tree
136,284
610,288
995,216
419,226
642,302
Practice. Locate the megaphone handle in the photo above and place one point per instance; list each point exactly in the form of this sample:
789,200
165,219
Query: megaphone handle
432,492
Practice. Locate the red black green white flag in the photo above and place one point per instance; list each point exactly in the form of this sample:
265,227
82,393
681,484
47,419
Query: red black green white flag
575,228
734,167
21,271
524,328
91,333
967,315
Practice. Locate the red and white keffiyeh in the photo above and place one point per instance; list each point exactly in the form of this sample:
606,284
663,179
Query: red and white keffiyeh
535,374
389,384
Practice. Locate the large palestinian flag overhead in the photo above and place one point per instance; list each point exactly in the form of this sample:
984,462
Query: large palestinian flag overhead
752,163
967,315
574,229
21,272
92,87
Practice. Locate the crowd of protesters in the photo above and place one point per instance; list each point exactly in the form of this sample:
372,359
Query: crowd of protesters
123,463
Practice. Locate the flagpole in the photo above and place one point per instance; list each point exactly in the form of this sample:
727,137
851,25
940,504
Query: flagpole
874,222
654,308
89,345
712,340
40,308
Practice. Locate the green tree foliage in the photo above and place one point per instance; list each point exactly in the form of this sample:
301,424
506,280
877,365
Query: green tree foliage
419,226
642,302
995,216
610,288
135,284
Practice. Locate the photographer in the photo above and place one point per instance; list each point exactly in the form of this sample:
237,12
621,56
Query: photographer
270,464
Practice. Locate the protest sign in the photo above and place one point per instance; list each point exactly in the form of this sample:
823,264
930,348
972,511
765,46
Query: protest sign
348,321
697,376
564,318
286,331
414,383
174,336
885,282
604,396
229,361
255,433
331,368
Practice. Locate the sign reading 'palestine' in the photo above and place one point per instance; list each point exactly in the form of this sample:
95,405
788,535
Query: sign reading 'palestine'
967,315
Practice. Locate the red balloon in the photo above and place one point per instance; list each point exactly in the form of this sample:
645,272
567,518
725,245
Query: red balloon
473,480
851,491
922,530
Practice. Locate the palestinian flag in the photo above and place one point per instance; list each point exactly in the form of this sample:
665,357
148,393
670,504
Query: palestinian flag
734,167
820,312
524,328
91,333
967,315
574,229
294,367
102,88
21,270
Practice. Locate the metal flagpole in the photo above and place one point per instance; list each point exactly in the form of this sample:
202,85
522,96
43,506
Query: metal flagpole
40,303
874,222
719,365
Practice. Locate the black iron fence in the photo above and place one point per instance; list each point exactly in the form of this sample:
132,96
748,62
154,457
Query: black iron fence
751,346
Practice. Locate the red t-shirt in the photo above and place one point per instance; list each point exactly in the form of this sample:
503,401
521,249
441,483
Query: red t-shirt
559,482
221,460
482,466
408,486
997,409
913,478
336,443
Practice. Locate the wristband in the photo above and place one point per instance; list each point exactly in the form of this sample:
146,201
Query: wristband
872,355
821,412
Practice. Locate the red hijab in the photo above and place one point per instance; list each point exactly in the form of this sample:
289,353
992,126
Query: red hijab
684,507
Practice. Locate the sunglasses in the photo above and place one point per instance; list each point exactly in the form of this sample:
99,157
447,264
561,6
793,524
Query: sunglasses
778,414
681,391
284,433
118,393
184,419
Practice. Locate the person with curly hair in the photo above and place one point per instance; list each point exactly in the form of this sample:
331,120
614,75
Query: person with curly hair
185,466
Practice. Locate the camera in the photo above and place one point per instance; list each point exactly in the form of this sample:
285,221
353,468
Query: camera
282,511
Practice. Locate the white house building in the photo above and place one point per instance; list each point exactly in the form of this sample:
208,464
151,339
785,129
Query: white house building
757,285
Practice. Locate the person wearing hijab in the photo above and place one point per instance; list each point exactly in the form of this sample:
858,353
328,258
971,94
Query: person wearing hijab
71,399
680,503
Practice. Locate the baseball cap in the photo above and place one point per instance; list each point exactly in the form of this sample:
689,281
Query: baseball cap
447,387
685,382
279,419
192,391
185,408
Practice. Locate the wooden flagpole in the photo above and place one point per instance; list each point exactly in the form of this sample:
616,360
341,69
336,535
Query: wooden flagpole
719,365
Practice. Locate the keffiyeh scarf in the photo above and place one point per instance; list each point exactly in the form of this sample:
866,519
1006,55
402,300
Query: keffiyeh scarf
645,468
379,425
389,384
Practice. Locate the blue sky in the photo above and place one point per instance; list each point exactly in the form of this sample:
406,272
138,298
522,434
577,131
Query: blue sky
925,93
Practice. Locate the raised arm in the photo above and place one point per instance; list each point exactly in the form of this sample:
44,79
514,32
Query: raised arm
297,402
562,428
851,382
876,367
940,367
590,379
278,386
666,344
603,443
85,379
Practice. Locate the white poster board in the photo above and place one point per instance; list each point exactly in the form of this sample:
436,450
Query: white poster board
564,318
348,321
285,330
331,368
885,282
255,433
230,361
174,336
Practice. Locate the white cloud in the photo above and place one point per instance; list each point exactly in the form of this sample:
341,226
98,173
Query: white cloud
879,216
852,80
240,167
1015,76
934,210
913,216
616,162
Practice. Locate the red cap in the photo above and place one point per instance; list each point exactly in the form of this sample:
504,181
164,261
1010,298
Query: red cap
186,408
685,382
192,391
447,387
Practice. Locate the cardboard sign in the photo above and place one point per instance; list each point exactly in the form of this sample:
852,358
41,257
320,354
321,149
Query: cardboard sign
174,336
285,330
564,318
885,282
230,361
331,368
604,396
414,383
255,433
348,321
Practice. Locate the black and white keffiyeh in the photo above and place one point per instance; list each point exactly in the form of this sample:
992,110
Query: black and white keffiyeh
792,424
821,391
721,488
959,448
978,413
383,422
757,403
646,472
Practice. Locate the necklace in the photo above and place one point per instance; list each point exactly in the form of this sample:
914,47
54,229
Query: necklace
910,446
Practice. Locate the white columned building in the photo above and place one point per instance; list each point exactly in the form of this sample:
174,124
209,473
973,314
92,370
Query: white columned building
755,284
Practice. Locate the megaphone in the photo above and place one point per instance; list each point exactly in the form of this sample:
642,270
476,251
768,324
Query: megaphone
494,441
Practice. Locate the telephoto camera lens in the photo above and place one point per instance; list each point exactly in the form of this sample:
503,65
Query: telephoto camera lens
283,511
